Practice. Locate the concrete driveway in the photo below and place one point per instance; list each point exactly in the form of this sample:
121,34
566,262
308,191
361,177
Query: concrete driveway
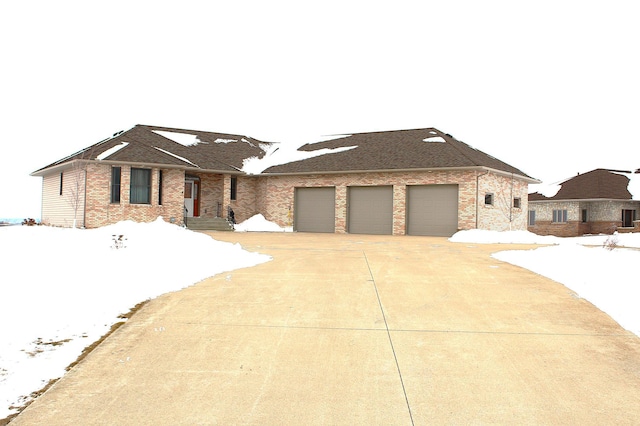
358,330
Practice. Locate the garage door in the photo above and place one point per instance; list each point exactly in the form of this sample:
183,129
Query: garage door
432,210
370,210
315,209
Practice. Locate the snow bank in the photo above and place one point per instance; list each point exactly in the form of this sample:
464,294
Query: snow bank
479,236
604,277
62,289
258,223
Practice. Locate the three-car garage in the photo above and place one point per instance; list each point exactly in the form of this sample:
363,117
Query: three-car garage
428,209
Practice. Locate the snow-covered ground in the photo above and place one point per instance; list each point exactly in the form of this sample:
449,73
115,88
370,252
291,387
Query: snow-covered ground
62,289
602,269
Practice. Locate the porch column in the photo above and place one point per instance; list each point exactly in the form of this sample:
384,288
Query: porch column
226,194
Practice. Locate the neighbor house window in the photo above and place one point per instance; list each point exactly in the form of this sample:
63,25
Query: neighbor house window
140,186
60,183
559,216
234,188
116,176
159,187
532,217
516,203
585,216
488,199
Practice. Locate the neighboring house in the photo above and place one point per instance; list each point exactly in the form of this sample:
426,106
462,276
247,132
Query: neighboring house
417,182
598,202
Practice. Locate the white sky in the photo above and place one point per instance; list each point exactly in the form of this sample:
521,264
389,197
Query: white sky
550,87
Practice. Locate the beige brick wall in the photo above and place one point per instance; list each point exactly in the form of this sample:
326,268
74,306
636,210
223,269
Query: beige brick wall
603,217
273,196
276,197
100,211
501,215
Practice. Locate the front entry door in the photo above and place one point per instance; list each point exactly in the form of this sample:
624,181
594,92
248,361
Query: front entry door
191,198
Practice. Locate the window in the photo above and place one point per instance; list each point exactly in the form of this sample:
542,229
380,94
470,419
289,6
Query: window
628,217
116,175
532,217
585,216
60,183
488,199
516,203
559,216
140,186
234,188
159,187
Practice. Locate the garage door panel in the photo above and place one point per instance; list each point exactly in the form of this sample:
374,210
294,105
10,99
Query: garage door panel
370,210
432,210
315,209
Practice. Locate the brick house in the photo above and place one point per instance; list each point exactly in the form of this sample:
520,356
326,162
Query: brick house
417,182
596,202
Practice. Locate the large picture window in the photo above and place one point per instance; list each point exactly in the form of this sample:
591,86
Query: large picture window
140,186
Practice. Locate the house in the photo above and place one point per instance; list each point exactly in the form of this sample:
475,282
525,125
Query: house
417,182
601,201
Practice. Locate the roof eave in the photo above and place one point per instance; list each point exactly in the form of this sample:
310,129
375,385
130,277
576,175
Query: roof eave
564,200
69,164
426,169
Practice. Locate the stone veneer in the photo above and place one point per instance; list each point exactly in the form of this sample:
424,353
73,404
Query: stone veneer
603,217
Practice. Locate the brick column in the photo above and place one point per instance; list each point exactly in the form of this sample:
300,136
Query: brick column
399,209
341,209
226,194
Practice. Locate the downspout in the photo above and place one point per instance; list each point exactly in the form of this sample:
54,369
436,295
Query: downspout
478,194
84,210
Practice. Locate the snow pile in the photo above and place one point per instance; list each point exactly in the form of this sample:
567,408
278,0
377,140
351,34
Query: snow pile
258,223
595,272
62,289
507,237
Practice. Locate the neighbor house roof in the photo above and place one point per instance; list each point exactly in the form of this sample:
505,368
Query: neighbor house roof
173,147
393,150
596,184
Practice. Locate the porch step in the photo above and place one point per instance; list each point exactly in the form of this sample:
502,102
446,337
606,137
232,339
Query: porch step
208,224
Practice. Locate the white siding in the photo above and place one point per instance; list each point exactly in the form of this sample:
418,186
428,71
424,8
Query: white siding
57,209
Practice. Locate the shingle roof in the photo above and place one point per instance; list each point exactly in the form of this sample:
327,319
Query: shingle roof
394,150
596,184
150,144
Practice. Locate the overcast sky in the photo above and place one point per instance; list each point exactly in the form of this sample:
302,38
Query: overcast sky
550,87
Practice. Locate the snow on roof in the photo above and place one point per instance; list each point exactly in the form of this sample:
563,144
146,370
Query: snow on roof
185,139
222,140
634,184
111,151
547,189
434,139
176,156
278,155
